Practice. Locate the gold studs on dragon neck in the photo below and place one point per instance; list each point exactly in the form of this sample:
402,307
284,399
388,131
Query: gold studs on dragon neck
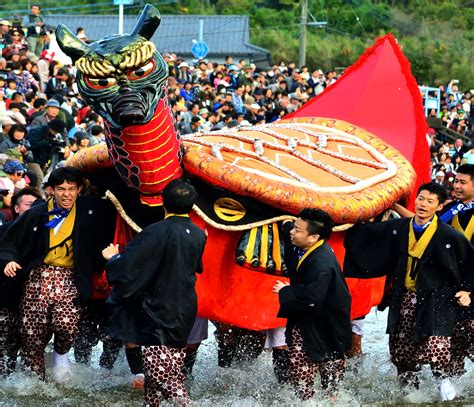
98,66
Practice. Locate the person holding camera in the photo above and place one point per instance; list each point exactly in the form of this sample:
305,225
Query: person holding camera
49,145
16,144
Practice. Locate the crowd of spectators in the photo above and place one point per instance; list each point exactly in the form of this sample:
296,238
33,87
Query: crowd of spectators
44,119
456,114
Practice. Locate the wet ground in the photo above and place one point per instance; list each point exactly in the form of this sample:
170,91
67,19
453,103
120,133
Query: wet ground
369,381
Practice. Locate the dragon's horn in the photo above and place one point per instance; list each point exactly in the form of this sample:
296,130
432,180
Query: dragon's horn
72,46
148,22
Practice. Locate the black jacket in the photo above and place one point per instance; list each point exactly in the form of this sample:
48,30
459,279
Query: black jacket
10,289
154,284
27,241
318,302
381,249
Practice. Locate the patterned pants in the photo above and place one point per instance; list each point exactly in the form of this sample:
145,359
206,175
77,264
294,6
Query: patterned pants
162,366
47,308
9,340
303,369
462,345
407,356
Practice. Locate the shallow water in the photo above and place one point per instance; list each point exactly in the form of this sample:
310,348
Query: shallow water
369,381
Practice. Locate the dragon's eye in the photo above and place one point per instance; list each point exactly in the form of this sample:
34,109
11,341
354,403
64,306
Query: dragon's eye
141,72
100,83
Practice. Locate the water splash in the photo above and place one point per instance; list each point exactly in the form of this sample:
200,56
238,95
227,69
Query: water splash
370,380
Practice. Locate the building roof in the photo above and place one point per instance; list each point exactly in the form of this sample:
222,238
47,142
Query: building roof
223,34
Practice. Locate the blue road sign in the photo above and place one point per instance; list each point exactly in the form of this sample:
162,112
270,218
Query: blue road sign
200,50
123,2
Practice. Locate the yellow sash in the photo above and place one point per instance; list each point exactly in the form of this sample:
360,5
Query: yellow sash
312,249
469,228
61,255
184,215
416,248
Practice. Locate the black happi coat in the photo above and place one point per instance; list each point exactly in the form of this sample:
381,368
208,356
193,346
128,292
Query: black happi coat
154,284
27,241
317,301
381,249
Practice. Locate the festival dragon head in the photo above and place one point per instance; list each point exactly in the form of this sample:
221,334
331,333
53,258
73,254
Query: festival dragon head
122,77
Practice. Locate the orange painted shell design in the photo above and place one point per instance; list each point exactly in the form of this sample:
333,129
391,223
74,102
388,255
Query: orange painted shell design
312,162
293,164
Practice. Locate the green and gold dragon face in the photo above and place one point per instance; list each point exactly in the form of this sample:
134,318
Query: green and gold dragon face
120,76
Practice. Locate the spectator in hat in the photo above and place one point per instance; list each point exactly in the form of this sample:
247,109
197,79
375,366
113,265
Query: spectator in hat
204,114
5,36
201,74
13,180
295,102
246,75
51,112
7,122
43,65
252,113
439,177
233,74
184,72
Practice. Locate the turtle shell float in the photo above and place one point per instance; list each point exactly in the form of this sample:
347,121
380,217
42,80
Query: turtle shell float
248,178
294,164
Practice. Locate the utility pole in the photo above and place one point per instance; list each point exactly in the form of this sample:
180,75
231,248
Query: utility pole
303,23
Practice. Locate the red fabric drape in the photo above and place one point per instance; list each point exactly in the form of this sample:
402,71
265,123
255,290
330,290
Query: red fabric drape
379,93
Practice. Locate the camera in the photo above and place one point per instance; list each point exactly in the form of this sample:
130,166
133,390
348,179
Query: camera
4,192
25,143
58,140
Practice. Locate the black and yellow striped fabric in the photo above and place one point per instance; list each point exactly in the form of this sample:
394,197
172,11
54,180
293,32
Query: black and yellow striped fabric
261,249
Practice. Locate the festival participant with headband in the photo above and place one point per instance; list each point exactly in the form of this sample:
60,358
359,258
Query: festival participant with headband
428,265
459,214
57,245
317,304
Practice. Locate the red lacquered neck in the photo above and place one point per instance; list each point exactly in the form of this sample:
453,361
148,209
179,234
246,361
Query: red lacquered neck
147,156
